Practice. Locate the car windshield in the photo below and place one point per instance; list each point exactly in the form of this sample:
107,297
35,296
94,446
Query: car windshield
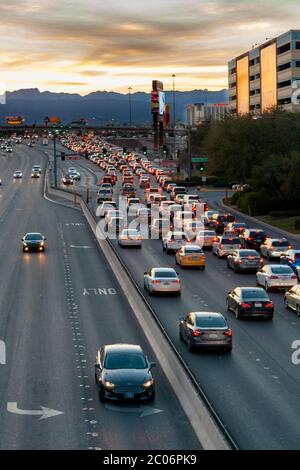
165,274
281,270
280,243
254,294
33,236
210,322
123,360
230,241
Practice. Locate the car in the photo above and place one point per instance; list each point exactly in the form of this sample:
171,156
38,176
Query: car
37,168
150,191
224,246
208,215
244,260
144,215
174,240
9,149
206,238
190,256
170,187
236,227
33,242
75,175
35,174
181,218
292,259
113,212
128,190
166,183
164,208
192,227
274,247
274,276
250,302
144,181
66,180
155,200
178,199
219,222
104,195
159,228
178,190
105,206
205,330
130,237
123,372
252,238
162,280
18,174
106,186
0,182
115,224
133,204
292,299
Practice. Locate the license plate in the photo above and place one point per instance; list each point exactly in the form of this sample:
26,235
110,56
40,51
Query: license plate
194,258
129,395
213,336
258,305
166,283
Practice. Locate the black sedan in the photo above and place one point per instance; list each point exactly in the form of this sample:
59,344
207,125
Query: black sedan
250,302
244,260
252,238
123,372
205,330
33,242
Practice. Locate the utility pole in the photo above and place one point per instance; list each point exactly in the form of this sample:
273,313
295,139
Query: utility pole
130,120
174,115
54,156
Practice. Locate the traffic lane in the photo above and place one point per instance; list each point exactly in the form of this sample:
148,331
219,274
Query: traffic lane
105,317
255,368
40,370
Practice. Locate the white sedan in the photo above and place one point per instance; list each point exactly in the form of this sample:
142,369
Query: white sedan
130,237
105,207
274,276
162,280
18,174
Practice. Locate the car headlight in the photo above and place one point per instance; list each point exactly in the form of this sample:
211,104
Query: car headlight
108,384
42,243
149,383
24,243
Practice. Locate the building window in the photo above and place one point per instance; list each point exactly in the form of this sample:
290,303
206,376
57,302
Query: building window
284,66
284,101
232,71
232,98
297,63
297,44
284,48
232,85
284,84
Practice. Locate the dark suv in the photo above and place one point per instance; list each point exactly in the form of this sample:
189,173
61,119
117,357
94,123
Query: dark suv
219,222
252,238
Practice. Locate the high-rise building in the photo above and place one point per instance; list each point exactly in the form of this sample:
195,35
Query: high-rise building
199,113
266,76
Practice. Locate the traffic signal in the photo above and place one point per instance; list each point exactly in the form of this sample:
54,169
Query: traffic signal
165,150
145,151
124,152
202,167
63,156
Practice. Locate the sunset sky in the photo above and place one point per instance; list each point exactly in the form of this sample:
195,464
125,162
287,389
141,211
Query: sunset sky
88,45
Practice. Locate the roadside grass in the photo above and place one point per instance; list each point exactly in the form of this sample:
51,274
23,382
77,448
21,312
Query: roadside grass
285,223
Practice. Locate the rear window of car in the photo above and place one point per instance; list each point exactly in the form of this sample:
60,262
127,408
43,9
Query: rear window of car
193,250
165,274
246,253
280,243
230,241
254,294
281,270
257,233
210,322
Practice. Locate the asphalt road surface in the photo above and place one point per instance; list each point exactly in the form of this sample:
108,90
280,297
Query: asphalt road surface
53,319
256,389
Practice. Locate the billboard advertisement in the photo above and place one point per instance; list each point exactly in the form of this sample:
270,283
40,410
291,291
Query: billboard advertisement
161,103
14,120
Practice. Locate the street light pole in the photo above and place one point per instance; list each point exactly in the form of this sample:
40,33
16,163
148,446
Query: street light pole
130,89
54,157
174,115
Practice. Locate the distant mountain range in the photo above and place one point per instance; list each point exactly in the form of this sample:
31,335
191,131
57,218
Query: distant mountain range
106,106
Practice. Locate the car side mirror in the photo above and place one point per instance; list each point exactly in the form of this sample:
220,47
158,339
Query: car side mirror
45,238
22,239
145,274
97,366
151,365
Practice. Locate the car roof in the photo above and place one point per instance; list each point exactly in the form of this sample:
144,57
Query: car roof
164,269
121,347
208,314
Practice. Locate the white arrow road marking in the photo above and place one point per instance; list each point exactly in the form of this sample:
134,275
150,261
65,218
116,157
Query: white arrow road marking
44,413
83,247
142,410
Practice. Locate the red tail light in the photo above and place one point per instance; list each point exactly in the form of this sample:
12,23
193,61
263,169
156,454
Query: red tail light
228,333
156,281
289,247
245,305
176,281
197,333
269,305
250,239
293,276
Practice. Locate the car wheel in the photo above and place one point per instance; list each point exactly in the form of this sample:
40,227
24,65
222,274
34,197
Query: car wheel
285,303
228,349
152,398
190,346
180,336
227,305
96,379
238,315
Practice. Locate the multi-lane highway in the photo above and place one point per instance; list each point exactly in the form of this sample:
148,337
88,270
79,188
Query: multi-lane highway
57,309
255,390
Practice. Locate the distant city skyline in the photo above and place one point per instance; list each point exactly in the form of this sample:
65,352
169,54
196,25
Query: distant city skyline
81,47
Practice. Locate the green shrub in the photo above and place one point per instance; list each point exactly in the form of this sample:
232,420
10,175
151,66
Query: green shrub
256,203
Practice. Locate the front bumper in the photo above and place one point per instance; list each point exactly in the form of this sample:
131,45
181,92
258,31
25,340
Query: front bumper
129,394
